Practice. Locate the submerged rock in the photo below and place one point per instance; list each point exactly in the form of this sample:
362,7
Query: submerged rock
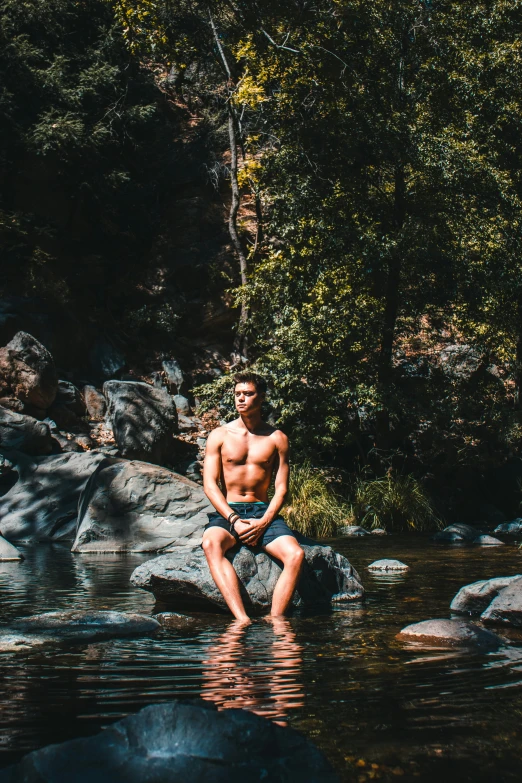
10,641
139,507
513,528
476,597
174,620
8,551
354,530
177,742
379,531
86,625
183,578
488,541
388,565
449,633
143,420
43,503
457,533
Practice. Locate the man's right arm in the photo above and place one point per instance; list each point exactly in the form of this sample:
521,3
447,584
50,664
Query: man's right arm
212,472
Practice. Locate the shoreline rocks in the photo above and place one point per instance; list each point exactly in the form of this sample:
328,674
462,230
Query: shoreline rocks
42,505
27,372
178,741
8,552
138,507
143,419
457,533
182,578
19,432
85,625
354,531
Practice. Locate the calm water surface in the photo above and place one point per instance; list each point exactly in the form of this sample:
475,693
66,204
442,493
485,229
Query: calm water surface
378,709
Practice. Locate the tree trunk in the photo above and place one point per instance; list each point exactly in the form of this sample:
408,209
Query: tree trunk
518,356
240,342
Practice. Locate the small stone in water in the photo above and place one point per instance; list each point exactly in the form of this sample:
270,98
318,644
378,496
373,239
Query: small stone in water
388,565
379,531
449,633
488,541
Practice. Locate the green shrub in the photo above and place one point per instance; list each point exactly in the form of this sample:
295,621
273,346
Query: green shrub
313,507
394,502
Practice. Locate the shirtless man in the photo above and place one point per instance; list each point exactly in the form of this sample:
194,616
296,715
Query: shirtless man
243,455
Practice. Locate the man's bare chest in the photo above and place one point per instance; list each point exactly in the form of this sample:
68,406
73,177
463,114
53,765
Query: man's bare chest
250,450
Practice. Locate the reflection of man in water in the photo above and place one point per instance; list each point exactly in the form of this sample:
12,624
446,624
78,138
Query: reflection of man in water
243,455
267,682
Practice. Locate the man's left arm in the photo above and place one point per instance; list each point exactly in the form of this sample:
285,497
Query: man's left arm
282,468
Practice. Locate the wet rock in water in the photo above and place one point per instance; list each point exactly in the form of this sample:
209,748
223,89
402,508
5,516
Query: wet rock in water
23,433
354,531
457,534
15,642
476,597
139,507
86,625
488,541
388,565
43,503
513,528
449,633
27,372
8,551
174,620
506,608
379,531
95,403
183,578
176,742
182,405
143,420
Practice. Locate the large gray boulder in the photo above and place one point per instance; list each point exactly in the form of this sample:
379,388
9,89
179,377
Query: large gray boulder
42,505
27,372
183,578
8,551
143,420
460,363
23,433
449,633
476,597
180,741
139,507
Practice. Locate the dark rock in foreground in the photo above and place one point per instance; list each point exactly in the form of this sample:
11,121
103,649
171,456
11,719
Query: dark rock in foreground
85,625
43,503
139,507
176,742
449,633
143,420
497,601
457,534
183,578
24,433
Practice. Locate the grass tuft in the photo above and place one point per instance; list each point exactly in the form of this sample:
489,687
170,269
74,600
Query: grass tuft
395,502
313,508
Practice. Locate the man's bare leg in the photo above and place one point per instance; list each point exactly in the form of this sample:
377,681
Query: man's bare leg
216,542
286,549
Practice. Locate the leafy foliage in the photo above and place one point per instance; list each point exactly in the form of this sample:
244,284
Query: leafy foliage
394,502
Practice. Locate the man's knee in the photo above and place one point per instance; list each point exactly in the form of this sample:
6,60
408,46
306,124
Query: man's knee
211,545
294,558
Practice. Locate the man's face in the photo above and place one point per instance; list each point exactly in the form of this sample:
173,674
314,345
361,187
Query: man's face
247,398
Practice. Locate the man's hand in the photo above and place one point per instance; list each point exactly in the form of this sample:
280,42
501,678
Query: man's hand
250,530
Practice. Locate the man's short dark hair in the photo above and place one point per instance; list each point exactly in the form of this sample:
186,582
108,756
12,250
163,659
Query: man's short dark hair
251,377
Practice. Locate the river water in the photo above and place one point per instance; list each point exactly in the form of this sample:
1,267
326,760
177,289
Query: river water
378,709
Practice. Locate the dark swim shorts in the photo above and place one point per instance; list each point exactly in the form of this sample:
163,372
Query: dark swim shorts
276,528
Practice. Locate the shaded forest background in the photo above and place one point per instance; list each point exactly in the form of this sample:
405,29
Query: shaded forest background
327,191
